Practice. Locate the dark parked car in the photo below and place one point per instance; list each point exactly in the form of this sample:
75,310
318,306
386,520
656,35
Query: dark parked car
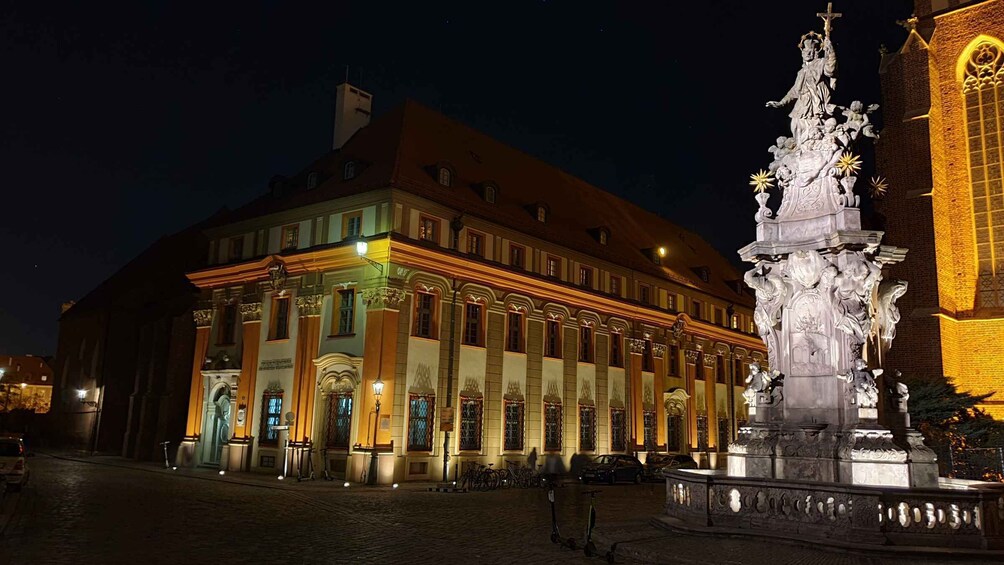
613,468
658,463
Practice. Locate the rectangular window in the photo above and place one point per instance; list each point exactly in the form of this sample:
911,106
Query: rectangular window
345,308
695,309
476,243
513,425
644,294
616,345
674,432
720,369
719,316
236,248
615,285
473,334
586,344
671,301
648,421
517,256
586,276
587,428
553,267
290,236
617,441
470,423
424,314
647,360
339,419
271,415
428,229
352,224
552,338
674,360
421,410
702,433
280,318
514,332
552,426
724,434
734,323
227,325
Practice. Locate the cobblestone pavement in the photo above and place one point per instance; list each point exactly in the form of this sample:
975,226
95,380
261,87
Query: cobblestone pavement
108,510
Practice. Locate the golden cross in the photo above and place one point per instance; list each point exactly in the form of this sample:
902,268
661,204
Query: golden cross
828,18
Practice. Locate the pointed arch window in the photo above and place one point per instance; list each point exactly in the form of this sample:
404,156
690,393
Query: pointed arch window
983,94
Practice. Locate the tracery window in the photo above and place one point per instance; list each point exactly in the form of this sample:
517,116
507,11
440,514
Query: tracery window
339,419
617,420
552,426
470,423
983,91
587,428
513,425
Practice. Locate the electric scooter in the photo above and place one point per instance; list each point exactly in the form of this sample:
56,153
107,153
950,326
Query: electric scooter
590,548
555,534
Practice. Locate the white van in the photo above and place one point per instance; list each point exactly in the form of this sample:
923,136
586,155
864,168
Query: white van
13,464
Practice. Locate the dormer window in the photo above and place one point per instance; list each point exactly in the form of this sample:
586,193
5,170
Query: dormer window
445,176
312,180
490,193
541,214
349,171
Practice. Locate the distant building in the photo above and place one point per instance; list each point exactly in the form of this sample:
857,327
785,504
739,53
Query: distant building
123,359
576,323
942,150
26,383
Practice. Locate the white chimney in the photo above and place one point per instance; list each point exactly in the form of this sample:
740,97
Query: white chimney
352,112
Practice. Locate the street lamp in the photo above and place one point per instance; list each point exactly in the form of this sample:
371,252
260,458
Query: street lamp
82,394
361,248
377,393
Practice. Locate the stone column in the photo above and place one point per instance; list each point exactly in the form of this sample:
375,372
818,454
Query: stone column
186,451
690,372
710,400
379,358
251,318
659,384
304,370
637,349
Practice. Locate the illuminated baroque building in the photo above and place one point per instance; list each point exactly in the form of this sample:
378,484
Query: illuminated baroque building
581,323
25,383
941,150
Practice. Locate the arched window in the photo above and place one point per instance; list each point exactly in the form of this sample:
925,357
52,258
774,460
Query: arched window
983,92
445,176
490,194
541,214
350,170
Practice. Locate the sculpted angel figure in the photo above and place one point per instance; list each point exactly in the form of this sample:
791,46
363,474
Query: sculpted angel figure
861,384
770,294
853,288
887,314
762,382
811,91
858,121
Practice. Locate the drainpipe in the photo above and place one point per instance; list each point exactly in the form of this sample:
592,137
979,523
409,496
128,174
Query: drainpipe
456,225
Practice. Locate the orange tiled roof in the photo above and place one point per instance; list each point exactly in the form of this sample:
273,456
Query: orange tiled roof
402,148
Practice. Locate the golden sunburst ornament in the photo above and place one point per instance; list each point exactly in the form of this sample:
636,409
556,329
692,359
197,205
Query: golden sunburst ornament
849,164
762,181
878,187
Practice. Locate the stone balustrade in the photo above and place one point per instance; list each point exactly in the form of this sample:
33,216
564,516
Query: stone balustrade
959,514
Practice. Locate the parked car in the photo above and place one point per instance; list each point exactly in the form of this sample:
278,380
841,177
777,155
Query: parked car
658,463
13,464
613,468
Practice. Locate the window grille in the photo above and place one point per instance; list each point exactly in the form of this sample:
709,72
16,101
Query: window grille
702,433
617,429
420,413
271,415
724,434
513,425
470,423
552,426
648,421
587,428
339,419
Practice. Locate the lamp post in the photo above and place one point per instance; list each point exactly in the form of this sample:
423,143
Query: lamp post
371,478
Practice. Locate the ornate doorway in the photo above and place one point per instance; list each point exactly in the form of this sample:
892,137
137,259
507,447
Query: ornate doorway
217,424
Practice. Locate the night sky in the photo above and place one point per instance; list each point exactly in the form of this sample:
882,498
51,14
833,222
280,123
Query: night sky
122,124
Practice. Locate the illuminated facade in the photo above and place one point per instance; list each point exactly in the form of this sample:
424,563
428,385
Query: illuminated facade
581,324
941,149
25,383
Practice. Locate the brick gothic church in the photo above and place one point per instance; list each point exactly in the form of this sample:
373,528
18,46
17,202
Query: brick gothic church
942,151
